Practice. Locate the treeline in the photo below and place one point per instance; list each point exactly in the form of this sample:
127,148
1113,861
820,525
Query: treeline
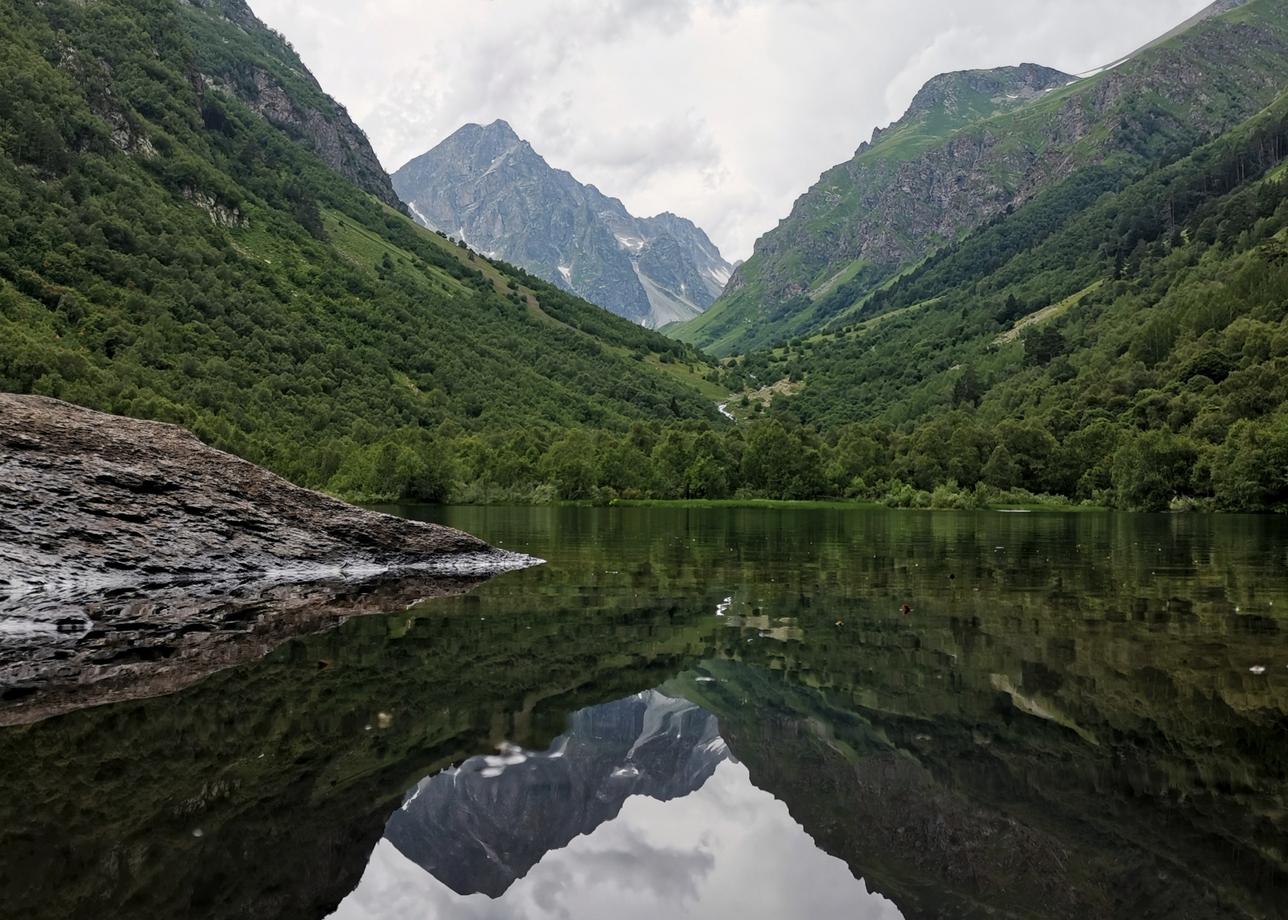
954,462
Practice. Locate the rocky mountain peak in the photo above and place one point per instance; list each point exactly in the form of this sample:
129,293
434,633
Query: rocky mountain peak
501,128
479,147
489,187
962,96
945,92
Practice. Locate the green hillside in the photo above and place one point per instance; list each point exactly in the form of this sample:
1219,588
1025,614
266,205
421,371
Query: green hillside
182,238
1127,346
977,144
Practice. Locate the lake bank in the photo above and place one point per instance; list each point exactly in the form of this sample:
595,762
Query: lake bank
838,504
135,559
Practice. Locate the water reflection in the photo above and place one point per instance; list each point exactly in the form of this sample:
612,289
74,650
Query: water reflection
480,826
637,811
1067,723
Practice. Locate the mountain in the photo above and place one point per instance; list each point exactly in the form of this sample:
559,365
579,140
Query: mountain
974,145
265,74
192,231
481,826
488,187
1121,338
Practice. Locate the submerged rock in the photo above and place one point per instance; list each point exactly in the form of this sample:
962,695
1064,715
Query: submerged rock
129,547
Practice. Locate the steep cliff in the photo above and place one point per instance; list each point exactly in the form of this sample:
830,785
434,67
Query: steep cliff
274,82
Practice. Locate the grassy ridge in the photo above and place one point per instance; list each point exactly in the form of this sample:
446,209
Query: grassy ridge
941,172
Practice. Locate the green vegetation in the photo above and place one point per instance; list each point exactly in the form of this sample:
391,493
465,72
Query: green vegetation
974,146
1117,339
1115,342
167,253
1131,353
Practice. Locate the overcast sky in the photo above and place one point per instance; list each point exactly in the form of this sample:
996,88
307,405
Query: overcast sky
723,111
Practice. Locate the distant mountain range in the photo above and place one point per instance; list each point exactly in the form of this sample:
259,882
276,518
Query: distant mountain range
488,187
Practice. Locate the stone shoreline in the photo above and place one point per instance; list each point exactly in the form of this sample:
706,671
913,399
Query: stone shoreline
135,559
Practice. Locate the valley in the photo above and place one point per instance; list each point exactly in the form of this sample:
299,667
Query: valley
455,542
1090,280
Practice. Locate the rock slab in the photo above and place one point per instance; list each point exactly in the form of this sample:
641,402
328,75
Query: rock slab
133,554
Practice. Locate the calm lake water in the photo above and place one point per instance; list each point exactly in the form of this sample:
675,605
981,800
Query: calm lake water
715,714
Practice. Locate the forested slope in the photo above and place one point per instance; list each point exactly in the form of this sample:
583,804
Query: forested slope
1121,342
181,238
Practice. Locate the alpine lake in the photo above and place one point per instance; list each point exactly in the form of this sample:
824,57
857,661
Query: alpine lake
713,713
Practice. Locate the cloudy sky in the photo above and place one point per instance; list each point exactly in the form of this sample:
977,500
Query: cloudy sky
723,111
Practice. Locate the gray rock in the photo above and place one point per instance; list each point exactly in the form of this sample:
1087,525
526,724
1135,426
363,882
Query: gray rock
309,116
487,186
134,559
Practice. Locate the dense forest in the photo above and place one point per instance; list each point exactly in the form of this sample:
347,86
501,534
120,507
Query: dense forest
1114,342
1133,354
167,253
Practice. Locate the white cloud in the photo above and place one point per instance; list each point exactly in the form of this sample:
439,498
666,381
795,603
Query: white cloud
691,857
723,111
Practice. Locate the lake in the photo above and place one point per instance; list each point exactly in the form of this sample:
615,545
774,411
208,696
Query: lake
716,713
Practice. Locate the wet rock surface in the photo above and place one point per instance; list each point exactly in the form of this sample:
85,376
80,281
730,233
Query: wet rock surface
134,559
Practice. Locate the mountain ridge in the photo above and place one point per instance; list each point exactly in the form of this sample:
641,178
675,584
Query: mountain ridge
170,252
923,183
264,84
487,185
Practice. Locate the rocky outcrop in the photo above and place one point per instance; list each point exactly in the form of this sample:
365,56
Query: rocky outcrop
134,558
963,96
488,187
282,90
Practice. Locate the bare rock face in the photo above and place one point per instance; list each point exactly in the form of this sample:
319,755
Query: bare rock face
305,112
487,186
133,556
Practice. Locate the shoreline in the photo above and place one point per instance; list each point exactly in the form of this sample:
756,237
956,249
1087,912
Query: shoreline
841,504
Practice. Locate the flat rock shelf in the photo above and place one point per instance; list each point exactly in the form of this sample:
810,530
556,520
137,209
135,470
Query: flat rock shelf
134,559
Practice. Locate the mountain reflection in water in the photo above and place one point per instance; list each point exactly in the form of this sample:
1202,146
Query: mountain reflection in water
1081,716
636,811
